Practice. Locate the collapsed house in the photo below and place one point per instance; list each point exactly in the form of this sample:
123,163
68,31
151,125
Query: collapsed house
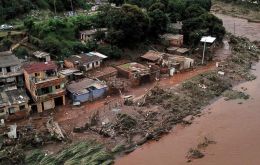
14,104
168,60
138,73
42,56
46,87
179,63
11,74
178,51
88,35
86,90
173,39
152,56
83,62
104,74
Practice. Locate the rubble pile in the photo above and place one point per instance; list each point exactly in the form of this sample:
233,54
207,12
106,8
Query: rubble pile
244,53
26,137
234,94
88,152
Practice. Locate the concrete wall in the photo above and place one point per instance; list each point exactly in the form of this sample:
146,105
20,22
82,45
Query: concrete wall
92,95
81,98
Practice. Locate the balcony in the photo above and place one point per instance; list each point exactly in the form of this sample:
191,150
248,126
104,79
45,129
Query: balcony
46,82
51,95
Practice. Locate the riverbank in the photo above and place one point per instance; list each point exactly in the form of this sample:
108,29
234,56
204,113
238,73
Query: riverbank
238,10
232,125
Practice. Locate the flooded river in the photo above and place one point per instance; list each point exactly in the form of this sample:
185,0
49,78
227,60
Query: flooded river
233,125
241,27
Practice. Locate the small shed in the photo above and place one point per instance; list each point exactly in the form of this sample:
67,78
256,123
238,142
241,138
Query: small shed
173,39
86,90
178,62
87,35
137,73
152,56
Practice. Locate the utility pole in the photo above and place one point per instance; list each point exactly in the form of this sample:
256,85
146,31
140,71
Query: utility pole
71,4
234,28
54,4
204,48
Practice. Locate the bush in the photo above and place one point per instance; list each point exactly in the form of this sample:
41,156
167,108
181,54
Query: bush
112,52
21,52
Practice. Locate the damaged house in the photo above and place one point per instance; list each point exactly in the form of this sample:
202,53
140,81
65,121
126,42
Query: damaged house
86,90
168,61
138,73
83,62
173,39
46,87
88,35
14,104
11,74
42,56
179,63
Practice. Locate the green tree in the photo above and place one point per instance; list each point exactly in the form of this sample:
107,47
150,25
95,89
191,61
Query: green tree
158,22
193,11
131,21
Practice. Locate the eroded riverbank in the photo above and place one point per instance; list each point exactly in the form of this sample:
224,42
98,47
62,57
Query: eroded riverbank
234,127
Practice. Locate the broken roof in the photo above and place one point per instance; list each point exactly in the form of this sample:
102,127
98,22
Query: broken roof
40,54
134,67
39,67
182,50
83,59
81,86
103,72
67,72
169,36
92,31
8,59
152,55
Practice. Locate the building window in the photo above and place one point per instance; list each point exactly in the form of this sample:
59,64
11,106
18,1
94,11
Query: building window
11,110
88,65
37,74
2,110
1,70
57,86
97,63
8,69
22,107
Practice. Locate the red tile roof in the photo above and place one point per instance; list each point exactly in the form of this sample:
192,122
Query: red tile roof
39,67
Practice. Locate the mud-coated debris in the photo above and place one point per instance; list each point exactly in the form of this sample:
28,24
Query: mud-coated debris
194,154
188,119
234,94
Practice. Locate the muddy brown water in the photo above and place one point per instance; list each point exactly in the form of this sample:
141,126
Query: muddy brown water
241,27
234,126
